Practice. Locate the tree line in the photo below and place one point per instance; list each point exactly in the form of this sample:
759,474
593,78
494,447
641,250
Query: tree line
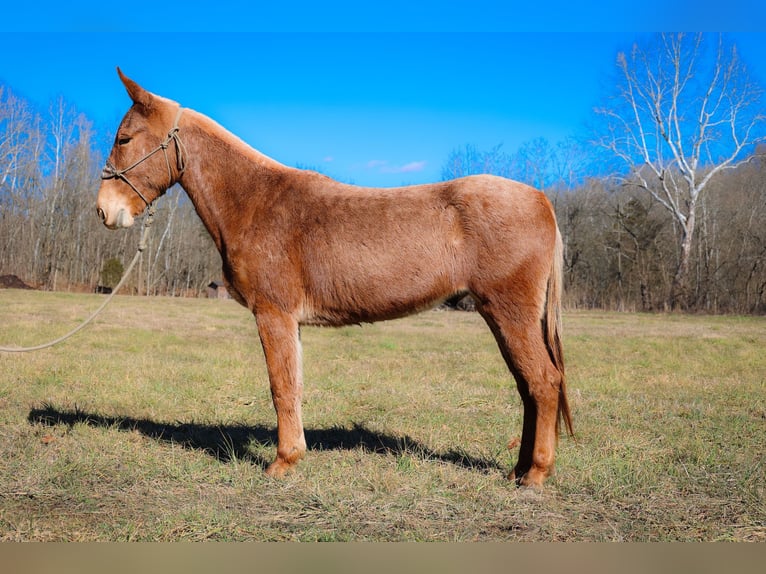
622,248
661,204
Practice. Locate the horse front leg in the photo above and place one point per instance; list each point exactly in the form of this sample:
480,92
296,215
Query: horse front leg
280,337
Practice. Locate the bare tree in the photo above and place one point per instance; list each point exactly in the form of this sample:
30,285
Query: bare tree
550,167
536,162
470,160
684,111
20,179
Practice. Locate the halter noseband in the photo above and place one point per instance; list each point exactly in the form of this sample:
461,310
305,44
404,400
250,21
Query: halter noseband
111,172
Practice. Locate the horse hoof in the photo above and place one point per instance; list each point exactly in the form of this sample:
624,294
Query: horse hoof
529,480
279,468
518,478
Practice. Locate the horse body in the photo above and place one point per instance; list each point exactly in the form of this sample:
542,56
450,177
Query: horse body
299,248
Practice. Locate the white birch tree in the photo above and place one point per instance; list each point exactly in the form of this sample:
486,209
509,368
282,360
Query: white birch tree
684,110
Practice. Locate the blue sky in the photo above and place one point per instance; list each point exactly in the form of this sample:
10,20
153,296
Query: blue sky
370,107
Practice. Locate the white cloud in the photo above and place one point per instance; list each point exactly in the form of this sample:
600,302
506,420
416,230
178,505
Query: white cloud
412,166
384,167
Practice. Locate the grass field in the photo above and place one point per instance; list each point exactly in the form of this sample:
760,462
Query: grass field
156,422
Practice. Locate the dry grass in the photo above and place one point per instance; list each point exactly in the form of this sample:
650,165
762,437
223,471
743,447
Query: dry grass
156,422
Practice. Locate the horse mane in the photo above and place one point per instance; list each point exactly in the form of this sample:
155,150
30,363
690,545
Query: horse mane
234,142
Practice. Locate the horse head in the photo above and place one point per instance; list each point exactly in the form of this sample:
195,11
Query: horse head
146,158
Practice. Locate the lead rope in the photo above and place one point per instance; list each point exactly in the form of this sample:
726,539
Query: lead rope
141,246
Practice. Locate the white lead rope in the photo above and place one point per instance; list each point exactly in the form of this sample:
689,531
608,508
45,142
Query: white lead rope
141,247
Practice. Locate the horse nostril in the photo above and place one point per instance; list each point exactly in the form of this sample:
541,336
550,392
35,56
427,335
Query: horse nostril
101,214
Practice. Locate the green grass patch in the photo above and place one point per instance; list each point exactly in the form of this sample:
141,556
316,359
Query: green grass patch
155,423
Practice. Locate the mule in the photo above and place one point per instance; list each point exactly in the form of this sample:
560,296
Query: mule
299,248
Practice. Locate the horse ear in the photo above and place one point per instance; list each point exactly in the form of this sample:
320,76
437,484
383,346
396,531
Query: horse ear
136,92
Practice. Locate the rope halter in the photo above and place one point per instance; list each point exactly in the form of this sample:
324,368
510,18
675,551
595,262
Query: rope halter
111,172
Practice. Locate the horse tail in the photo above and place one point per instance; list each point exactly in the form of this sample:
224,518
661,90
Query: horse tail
552,327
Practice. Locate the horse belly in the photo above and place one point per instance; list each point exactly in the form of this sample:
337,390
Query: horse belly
376,282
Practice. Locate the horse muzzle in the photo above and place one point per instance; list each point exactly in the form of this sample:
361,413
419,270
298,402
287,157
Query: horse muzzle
115,219
114,208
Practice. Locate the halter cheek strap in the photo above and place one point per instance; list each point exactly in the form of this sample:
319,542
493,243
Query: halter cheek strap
111,172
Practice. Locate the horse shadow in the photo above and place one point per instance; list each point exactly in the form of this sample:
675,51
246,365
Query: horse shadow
234,442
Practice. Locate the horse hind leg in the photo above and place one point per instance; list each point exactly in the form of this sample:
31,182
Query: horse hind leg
519,334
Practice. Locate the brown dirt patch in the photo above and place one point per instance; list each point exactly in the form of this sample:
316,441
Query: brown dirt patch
12,282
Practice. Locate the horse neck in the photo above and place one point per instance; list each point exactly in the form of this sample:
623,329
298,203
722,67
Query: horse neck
225,178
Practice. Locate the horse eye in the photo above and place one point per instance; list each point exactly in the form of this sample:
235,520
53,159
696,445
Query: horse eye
123,141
